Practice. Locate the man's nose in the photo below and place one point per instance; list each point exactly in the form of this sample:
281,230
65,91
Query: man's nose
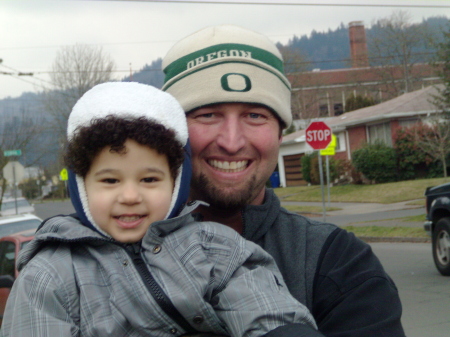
231,135
130,194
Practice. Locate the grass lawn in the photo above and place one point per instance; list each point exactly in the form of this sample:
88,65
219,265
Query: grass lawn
379,193
309,209
381,231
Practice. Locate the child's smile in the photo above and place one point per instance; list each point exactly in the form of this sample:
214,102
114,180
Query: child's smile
129,221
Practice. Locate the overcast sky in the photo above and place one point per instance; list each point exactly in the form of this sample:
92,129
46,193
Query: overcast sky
136,33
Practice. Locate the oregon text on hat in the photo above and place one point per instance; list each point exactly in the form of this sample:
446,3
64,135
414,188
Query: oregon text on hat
222,52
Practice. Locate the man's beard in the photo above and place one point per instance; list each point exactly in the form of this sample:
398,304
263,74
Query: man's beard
203,189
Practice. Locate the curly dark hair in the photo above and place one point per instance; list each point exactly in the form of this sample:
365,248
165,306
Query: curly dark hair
112,132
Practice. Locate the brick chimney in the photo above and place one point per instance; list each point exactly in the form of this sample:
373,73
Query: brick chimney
358,44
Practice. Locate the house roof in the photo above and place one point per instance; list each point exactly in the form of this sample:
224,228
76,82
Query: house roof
353,76
414,103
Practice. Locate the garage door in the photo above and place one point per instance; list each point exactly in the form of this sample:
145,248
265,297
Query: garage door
293,170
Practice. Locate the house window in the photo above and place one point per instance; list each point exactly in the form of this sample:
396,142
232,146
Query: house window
338,144
323,110
406,123
338,109
380,132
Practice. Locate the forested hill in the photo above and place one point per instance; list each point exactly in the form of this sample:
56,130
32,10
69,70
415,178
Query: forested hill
323,50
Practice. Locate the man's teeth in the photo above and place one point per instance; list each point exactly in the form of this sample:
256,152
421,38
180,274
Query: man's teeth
229,166
129,218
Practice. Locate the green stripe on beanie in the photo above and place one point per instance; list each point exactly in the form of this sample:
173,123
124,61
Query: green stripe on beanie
224,64
221,51
168,85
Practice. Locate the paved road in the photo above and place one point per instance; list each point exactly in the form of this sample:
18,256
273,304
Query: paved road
424,293
47,209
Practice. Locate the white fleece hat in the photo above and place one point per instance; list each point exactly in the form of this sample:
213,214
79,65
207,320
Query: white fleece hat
227,63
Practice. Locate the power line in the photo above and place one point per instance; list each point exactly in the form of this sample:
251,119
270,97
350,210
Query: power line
314,4
373,58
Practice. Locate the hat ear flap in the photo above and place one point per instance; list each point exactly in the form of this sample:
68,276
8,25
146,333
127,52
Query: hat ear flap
74,194
182,184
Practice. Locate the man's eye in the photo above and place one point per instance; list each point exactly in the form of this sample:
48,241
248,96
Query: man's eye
206,115
256,118
255,115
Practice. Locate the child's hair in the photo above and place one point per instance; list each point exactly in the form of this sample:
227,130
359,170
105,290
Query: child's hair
112,131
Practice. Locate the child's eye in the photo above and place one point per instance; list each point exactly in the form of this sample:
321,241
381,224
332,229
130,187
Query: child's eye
150,180
110,181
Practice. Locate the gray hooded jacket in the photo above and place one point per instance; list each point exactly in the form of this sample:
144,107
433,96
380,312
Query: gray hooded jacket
76,282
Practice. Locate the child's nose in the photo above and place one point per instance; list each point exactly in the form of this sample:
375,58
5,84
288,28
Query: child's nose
130,194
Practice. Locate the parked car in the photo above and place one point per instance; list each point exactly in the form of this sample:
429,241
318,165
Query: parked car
18,223
438,225
9,249
9,206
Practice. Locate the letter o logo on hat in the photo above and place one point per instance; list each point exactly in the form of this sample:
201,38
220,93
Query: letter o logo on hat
236,82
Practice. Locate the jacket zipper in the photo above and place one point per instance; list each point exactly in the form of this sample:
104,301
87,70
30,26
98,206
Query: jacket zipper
243,224
156,291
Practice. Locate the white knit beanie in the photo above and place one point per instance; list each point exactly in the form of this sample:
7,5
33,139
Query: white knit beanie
227,64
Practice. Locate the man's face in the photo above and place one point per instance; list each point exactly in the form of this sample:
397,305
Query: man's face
234,152
128,192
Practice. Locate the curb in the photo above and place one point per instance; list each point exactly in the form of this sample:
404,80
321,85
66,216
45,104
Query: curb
369,239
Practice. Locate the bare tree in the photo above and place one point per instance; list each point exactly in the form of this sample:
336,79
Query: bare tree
294,60
436,143
75,70
18,131
442,65
395,47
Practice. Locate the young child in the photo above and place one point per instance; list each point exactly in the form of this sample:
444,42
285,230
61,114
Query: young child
133,261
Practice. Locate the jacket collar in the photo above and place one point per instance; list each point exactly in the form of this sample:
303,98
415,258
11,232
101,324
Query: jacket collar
258,219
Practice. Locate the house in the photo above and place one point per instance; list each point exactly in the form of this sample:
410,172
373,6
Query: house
323,93
353,129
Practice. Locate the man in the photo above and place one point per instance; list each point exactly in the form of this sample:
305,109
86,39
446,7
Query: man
230,81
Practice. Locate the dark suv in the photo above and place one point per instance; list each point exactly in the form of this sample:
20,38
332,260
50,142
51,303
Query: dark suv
438,225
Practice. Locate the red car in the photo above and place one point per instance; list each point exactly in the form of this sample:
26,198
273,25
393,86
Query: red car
9,249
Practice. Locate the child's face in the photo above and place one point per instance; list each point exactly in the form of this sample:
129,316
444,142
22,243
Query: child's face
128,192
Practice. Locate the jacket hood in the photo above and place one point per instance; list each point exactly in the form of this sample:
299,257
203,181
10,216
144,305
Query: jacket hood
129,99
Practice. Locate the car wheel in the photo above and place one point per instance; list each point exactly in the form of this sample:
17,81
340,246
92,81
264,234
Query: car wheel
441,246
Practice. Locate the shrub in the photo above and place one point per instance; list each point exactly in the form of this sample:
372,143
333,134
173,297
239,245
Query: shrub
412,162
310,168
346,169
306,166
377,162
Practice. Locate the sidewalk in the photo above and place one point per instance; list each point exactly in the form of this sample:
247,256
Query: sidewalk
369,214
357,207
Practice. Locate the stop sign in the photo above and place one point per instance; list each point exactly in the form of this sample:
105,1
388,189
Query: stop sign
13,172
318,135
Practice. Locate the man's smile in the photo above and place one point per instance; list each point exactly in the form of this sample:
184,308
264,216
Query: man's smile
229,166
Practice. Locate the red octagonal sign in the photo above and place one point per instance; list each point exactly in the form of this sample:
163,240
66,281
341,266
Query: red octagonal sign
318,135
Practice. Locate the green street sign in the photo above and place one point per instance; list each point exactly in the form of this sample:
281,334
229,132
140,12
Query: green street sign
10,153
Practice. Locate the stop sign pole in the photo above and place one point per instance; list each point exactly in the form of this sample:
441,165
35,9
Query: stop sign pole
318,135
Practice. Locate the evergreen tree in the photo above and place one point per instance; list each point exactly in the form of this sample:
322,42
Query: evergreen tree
358,102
